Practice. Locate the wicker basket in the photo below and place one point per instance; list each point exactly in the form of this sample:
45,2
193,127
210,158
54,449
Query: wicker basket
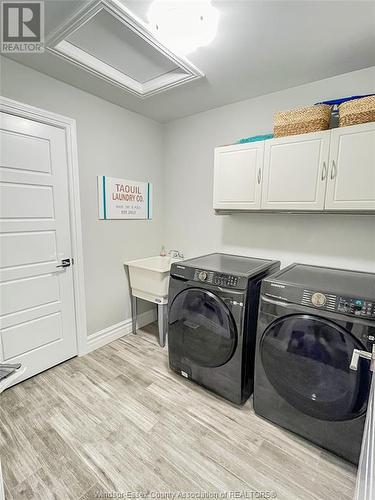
357,111
302,120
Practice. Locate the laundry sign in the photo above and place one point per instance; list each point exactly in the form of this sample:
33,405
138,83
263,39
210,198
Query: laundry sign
123,199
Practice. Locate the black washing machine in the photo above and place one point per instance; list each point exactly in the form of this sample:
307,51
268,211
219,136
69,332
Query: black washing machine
310,321
213,303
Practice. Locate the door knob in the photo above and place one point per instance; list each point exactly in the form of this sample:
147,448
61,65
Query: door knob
65,263
357,353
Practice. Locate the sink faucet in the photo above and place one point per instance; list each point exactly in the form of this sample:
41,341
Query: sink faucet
176,254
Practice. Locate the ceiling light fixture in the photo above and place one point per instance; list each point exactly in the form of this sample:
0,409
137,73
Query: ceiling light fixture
183,25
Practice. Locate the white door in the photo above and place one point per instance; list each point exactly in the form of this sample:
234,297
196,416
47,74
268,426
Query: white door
238,176
37,321
351,180
295,172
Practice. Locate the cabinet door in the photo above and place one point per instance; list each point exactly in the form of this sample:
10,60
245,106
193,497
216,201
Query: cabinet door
295,172
351,179
237,176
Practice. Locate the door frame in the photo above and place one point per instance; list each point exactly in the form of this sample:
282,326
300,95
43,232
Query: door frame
68,125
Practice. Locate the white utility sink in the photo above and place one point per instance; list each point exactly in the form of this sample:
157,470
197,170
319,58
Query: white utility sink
149,278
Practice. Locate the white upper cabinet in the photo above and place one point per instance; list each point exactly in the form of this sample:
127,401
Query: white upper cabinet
237,176
332,170
295,172
351,179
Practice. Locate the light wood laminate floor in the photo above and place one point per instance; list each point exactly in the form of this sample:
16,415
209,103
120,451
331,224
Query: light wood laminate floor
117,420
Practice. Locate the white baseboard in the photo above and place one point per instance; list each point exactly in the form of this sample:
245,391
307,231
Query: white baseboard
114,332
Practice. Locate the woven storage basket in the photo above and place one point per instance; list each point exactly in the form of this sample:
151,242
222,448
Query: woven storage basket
357,111
301,120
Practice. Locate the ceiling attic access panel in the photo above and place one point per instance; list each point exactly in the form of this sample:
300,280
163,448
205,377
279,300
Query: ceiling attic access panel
104,37
107,40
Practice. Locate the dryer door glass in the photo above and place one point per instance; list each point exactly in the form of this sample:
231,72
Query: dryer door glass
201,328
306,359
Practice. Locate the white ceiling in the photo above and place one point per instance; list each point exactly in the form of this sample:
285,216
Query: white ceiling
261,47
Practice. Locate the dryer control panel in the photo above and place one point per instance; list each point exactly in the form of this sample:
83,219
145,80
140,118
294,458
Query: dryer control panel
213,278
358,307
354,306
218,279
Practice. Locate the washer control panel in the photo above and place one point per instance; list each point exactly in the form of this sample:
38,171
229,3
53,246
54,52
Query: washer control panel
218,279
347,305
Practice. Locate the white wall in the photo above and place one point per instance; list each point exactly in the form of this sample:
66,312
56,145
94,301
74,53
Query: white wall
111,141
190,224
119,143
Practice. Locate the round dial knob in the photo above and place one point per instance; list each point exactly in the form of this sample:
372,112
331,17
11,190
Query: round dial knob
318,299
202,275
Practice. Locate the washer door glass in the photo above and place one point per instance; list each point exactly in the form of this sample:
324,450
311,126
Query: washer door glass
201,328
306,359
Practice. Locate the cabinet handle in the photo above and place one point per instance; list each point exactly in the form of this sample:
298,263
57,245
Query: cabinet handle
324,171
259,176
334,169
